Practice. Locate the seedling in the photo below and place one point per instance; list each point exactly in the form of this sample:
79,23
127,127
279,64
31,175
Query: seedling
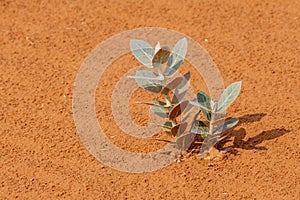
165,64
212,111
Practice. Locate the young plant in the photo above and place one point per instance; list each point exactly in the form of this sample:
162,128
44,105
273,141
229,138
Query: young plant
213,113
157,82
166,63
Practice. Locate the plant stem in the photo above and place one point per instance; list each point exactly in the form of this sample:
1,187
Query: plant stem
211,122
174,122
168,100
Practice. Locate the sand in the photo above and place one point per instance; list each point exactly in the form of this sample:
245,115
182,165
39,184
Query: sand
42,47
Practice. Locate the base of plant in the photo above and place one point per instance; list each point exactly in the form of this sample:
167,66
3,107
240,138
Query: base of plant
213,155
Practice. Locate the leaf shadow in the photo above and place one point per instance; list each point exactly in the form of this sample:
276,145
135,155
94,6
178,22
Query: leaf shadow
252,142
250,118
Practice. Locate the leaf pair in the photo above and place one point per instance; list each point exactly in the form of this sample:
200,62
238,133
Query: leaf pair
160,108
226,99
149,57
202,129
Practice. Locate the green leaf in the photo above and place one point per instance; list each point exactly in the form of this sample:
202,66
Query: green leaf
204,100
168,125
160,111
228,124
161,56
228,96
178,109
148,80
142,51
177,57
153,103
158,107
179,129
200,128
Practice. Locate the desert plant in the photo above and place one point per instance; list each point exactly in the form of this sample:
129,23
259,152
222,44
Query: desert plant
156,82
174,91
212,111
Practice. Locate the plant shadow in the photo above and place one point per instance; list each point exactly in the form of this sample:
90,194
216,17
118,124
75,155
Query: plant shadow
249,118
237,137
252,142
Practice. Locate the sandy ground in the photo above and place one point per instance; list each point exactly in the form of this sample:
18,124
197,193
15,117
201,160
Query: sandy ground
43,44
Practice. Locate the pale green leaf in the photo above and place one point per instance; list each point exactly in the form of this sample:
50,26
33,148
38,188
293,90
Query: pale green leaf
153,103
177,57
160,111
228,96
149,81
142,51
228,124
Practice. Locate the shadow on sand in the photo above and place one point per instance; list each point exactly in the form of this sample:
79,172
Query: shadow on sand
252,142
